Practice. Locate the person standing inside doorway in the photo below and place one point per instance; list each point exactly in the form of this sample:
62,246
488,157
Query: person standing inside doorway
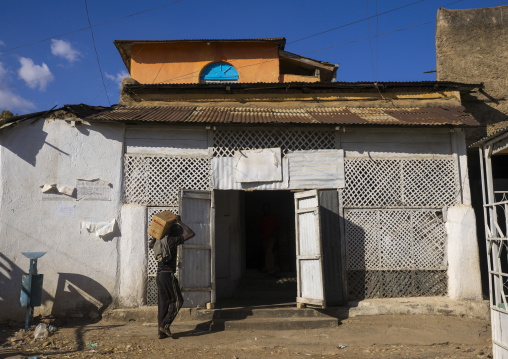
269,225
170,298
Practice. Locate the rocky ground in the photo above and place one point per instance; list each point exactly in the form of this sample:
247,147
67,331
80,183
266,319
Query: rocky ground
388,336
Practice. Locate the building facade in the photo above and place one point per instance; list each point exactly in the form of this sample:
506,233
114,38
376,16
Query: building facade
369,181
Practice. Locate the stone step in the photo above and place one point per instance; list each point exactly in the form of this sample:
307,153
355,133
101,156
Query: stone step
149,314
269,313
254,310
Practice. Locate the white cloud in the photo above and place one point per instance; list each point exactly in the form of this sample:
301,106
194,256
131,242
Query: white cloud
34,75
14,103
64,49
2,43
9,100
118,77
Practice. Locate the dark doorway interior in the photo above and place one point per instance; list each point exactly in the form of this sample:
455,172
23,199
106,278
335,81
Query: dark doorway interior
281,205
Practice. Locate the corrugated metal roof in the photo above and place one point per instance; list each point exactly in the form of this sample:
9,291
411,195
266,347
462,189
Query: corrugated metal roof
454,116
489,137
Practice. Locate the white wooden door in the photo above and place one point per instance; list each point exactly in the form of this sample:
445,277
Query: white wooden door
309,264
195,257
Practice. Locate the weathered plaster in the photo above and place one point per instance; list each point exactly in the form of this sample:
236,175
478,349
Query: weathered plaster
80,269
132,255
464,282
470,48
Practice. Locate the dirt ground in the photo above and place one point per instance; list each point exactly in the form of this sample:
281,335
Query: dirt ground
389,336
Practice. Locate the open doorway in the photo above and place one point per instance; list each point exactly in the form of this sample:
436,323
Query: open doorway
242,274
269,217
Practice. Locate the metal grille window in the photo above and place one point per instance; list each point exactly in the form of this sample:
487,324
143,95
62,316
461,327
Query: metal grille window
397,252
425,183
227,141
157,180
151,289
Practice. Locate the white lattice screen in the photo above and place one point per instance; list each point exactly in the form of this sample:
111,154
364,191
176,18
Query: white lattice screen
393,284
227,141
151,295
425,183
157,180
395,252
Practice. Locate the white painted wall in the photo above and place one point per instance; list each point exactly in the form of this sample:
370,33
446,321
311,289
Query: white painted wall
80,269
133,269
464,281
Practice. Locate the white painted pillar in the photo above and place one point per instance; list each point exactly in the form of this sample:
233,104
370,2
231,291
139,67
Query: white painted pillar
132,256
464,281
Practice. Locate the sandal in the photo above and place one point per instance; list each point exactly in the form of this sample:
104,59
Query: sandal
165,331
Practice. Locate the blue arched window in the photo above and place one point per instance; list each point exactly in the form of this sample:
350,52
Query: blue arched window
219,72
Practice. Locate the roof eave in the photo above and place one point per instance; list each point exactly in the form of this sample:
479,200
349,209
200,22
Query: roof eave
434,85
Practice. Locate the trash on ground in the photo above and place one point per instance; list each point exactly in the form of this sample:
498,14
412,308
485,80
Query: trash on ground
41,331
341,346
91,345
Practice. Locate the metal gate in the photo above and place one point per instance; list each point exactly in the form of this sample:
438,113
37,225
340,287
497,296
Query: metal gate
495,210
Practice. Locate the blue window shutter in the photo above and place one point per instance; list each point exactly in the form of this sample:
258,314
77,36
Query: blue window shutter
219,71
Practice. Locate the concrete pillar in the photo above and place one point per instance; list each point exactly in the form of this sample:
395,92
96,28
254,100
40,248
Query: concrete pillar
132,256
464,281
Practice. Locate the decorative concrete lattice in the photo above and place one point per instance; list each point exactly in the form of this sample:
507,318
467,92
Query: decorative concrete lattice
227,141
151,289
157,180
392,284
425,183
394,253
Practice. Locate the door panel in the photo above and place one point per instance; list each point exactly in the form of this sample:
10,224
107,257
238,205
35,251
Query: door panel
308,249
195,260
308,231
311,270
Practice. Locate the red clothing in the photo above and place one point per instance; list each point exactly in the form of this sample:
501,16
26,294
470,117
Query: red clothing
268,224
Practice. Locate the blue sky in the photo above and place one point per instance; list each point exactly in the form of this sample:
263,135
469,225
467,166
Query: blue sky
64,70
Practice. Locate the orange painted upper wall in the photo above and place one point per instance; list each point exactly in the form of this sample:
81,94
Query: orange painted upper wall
183,62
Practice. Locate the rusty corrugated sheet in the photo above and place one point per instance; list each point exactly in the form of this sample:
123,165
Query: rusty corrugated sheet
434,115
331,116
